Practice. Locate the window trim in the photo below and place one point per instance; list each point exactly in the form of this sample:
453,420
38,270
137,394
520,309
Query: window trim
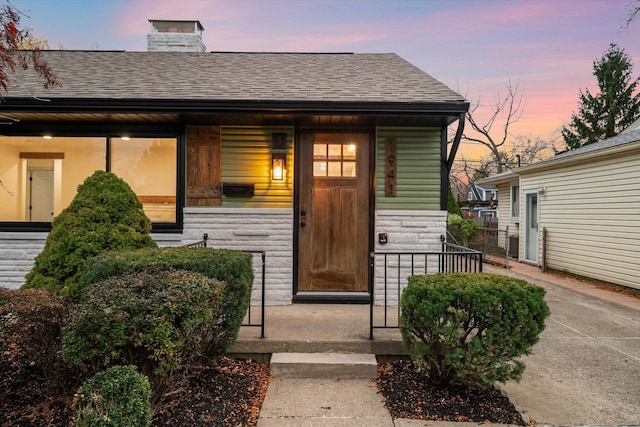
514,203
77,130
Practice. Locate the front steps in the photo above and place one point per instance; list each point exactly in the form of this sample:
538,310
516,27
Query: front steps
324,365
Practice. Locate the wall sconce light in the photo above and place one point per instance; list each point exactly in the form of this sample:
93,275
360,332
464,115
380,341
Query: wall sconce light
278,166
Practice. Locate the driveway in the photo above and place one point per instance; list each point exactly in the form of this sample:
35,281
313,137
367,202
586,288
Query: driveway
585,370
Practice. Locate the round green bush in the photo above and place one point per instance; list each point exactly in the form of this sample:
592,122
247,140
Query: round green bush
104,215
159,321
117,397
470,328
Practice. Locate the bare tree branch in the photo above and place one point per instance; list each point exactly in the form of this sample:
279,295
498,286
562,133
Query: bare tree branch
506,109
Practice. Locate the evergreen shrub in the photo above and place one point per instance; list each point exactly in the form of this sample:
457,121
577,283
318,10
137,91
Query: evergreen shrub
117,397
159,321
470,328
232,267
104,215
461,229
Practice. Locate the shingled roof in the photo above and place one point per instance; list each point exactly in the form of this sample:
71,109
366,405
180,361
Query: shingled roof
230,76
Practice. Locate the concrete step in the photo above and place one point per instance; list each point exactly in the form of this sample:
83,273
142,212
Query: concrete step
323,365
253,346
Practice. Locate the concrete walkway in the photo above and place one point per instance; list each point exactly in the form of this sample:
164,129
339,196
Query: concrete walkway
585,371
323,402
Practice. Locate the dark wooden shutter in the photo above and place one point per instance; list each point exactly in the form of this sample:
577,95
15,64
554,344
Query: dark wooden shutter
203,166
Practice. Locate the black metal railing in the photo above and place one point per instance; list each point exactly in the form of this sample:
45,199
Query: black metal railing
249,319
389,272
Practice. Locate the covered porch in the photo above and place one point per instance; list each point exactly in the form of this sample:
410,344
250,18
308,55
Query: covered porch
370,327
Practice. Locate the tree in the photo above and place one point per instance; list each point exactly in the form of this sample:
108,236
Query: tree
466,171
522,150
527,149
31,42
632,13
506,109
452,205
11,57
608,112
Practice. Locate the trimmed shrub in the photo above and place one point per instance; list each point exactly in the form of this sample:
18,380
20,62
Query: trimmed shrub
232,267
31,323
159,321
104,215
470,328
117,397
461,229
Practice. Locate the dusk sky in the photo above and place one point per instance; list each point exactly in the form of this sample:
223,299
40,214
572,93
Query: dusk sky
473,46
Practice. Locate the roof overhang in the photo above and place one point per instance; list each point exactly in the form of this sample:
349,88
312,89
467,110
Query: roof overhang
502,178
583,158
229,111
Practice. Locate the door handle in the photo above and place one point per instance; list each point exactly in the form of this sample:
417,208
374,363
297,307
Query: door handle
302,224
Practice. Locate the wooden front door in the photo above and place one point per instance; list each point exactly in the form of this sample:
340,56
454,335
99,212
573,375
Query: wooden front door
333,212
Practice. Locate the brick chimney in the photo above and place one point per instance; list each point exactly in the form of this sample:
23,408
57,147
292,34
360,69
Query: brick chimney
175,36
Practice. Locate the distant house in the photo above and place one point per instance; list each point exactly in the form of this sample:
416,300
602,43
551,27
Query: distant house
307,156
481,201
588,203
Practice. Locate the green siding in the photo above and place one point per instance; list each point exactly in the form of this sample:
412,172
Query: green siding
418,169
246,158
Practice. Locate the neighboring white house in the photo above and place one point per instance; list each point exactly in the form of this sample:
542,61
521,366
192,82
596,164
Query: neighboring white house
588,201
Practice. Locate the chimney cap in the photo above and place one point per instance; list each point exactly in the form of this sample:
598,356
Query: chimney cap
176,26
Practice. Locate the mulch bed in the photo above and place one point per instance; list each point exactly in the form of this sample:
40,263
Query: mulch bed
409,394
225,393
230,392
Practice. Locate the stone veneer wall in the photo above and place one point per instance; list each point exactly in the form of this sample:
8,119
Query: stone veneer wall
267,230
263,229
408,231
17,254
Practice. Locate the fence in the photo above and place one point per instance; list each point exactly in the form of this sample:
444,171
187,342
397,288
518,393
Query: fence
394,269
490,241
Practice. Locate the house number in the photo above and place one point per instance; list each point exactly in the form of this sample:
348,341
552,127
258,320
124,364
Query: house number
390,155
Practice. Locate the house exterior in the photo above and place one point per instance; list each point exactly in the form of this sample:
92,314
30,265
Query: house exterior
308,156
481,201
587,201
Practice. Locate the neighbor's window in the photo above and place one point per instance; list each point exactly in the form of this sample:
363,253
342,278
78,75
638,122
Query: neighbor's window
148,165
515,201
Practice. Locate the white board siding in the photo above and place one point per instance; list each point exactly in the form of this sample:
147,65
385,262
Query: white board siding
592,216
504,214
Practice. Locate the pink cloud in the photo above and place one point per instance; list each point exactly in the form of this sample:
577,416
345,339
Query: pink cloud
548,45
